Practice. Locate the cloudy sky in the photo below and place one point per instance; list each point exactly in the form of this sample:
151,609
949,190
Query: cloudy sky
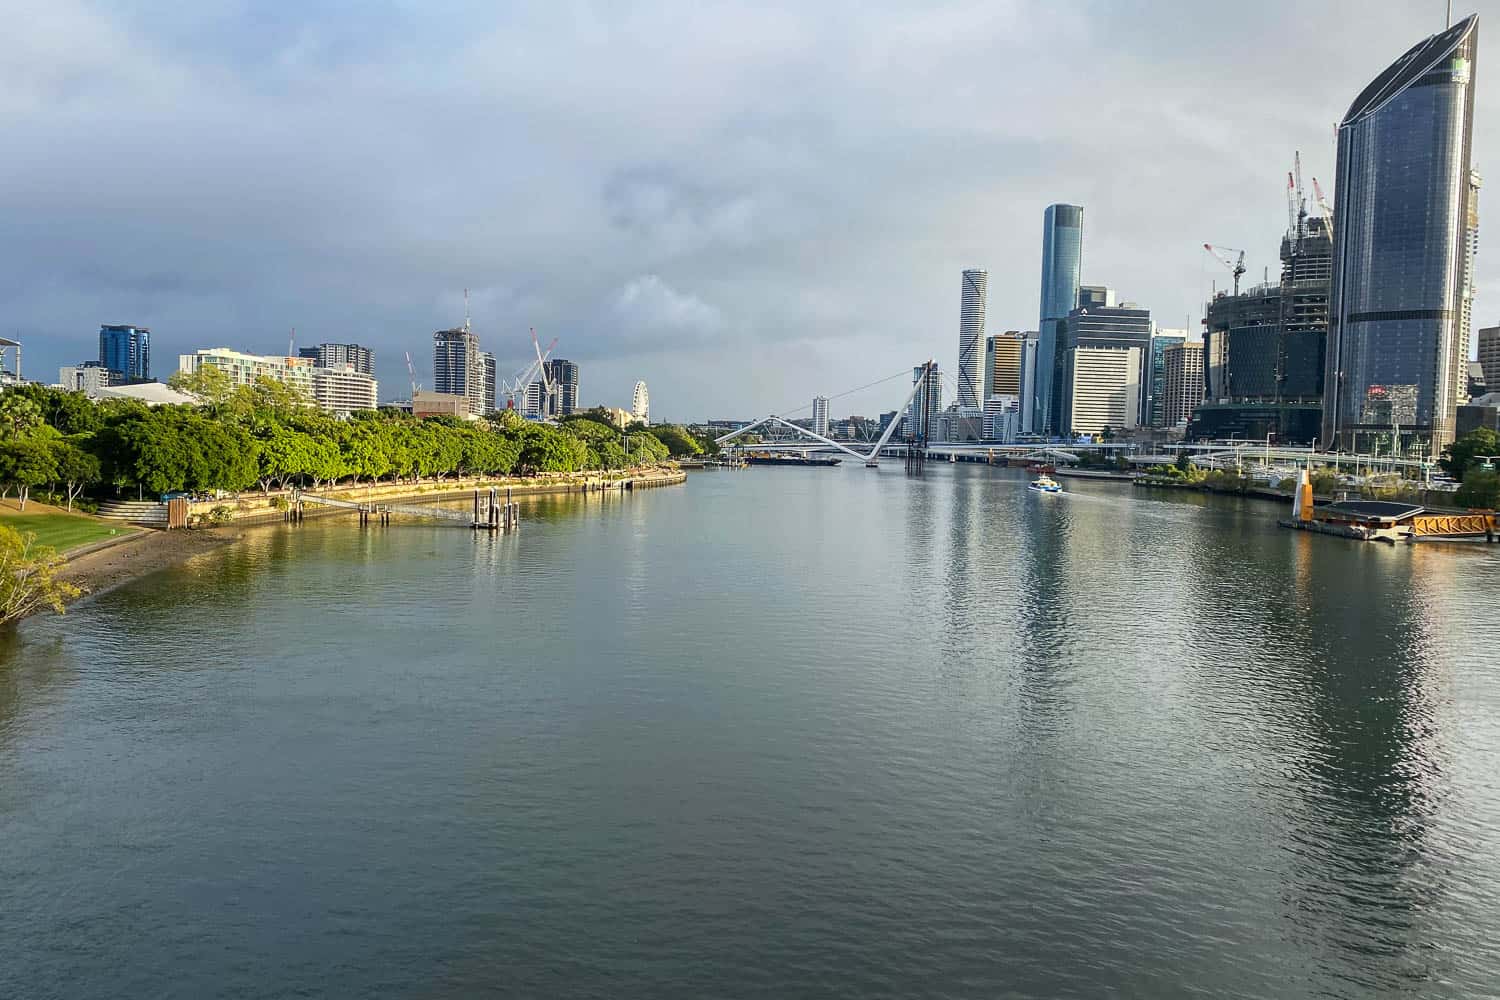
742,203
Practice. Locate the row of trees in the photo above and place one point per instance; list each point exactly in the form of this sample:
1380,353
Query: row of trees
266,436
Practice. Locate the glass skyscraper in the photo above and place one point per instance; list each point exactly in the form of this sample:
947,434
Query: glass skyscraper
970,338
1062,269
126,352
1405,228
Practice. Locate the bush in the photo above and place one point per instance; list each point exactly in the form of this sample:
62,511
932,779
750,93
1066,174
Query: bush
1287,485
1325,483
280,503
28,577
220,515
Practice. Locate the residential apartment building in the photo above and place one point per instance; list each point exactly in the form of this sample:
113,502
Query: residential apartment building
244,369
88,377
458,368
361,359
343,391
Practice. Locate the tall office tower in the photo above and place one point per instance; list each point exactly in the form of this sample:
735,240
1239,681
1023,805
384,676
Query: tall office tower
1029,350
1099,323
1062,268
1002,363
922,414
820,415
361,359
1157,393
1404,232
1183,385
491,401
640,403
970,338
1489,355
457,368
562,379
1104,389
126,352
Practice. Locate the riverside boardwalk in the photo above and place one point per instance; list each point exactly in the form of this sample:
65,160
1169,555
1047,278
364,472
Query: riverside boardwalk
490,514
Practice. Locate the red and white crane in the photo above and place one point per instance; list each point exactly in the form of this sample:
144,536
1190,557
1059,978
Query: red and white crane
1235,264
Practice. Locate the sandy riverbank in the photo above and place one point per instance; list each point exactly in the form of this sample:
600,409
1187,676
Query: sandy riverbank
108,568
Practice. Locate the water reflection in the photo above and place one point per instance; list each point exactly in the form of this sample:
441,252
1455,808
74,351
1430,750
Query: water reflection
892,735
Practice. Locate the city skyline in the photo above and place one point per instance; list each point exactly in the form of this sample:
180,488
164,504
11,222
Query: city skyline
625,254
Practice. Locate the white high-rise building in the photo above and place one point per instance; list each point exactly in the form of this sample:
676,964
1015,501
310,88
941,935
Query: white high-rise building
244,369
344,390
1106,389
86,378
640,403
971,339
820,415
338,390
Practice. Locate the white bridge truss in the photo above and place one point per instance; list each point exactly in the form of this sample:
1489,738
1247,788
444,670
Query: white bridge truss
871,460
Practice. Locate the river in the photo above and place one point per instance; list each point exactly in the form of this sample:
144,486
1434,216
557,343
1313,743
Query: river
778,732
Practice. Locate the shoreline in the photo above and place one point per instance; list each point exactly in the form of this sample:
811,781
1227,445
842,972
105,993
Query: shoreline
98,570
104,566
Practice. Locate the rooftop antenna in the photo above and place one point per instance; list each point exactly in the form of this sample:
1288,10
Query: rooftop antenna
466,310
1448,18
291,344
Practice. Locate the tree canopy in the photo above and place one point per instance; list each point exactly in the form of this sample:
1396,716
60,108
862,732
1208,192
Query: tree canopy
266,435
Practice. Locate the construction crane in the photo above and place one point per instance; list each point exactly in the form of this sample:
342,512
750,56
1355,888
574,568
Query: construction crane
412,371
1323,204
526,376
1235,264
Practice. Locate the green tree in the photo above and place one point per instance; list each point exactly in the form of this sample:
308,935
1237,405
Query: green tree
69,412
1184,462
28,577
1480,489
679,442
282,455
1457,457
273,399
548,449
210,383
26,462
77,468
19,415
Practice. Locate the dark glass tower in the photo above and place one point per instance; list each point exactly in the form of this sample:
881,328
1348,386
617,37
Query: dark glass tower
1062,268
562,376
126,352
1405,228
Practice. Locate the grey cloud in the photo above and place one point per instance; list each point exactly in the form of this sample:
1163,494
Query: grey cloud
742,203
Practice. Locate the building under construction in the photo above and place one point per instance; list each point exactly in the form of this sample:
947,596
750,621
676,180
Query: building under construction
1264,347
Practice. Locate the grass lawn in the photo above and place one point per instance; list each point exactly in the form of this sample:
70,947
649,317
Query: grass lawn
57,528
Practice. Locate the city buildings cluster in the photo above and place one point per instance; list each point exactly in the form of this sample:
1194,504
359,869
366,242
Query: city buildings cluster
1362,343
337,377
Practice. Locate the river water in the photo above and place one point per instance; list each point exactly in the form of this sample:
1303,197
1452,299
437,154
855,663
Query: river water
780,732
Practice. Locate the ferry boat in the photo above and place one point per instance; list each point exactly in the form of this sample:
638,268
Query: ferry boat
1045,484
763,458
